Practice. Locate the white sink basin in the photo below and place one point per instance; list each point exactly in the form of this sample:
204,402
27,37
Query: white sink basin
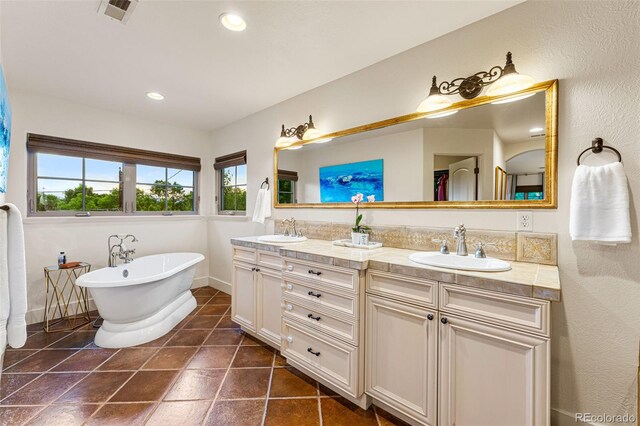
465,263
281,239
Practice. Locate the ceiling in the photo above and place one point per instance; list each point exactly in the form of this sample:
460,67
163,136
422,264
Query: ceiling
209,75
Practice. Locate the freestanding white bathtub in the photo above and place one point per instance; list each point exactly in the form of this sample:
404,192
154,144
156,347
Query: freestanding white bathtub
142,300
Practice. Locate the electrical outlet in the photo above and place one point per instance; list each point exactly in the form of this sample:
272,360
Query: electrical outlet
525,222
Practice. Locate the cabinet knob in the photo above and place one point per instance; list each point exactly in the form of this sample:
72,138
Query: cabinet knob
257,269
444,320
430,317
289,307
253,269
289,339
289,287
289,268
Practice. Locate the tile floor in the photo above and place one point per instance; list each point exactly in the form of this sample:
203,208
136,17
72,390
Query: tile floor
204,372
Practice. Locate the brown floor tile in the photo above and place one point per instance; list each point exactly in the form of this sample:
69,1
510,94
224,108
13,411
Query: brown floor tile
236,413
9,383
85,360
183,322
128,359
339,411
220,299
252,341
253,356
388,419
202,300
280,360
179,413
170,359
44,389
213,310
95,388
67,415
203,321
13,356
288,381
196,384
213,357
299,412
17,415
41,361
121,414
188,338
145,386
206,291
37,326
42,340
246,383
226,322
77,340
225,337
158,342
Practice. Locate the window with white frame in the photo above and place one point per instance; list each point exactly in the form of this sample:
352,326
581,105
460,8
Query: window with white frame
78,178
232,187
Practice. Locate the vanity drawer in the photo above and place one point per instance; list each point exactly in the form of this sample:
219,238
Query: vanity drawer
522,313
269,259
408,289
321,298
330,359
331,276
346,330
244,254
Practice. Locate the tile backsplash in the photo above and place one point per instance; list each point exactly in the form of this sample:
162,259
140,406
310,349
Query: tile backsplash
523,247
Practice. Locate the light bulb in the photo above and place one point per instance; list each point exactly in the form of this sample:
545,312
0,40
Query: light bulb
233,22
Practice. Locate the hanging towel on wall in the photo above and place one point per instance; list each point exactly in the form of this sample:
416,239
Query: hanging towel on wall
600,205
262,209
5,306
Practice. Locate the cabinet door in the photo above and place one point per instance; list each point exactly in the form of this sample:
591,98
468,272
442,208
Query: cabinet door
243,296
492,376
401,357
269,305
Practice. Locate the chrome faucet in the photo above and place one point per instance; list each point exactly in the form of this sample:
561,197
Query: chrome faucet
289,227
123,253
460,234
444,248
480,254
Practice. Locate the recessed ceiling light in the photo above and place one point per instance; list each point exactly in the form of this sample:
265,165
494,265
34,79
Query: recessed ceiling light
155,96
233,22
535,129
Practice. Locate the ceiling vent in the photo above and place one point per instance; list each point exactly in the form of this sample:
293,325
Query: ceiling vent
120,10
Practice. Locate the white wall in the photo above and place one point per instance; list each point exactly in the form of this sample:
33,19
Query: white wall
591,47
86,238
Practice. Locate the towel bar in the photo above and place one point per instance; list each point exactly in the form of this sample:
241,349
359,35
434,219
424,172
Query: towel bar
597,145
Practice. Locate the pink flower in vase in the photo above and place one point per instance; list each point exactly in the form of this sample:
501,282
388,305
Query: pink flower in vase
357,199
371,198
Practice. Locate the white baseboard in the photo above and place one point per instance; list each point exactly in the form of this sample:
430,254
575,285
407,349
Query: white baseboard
37,315
223,286
200,282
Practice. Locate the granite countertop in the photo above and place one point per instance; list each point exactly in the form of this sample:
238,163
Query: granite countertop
524,279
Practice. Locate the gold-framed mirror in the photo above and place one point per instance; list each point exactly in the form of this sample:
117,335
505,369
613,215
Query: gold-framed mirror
488,152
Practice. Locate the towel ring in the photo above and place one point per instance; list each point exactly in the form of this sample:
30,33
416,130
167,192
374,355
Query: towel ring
267,182
4,208
597,145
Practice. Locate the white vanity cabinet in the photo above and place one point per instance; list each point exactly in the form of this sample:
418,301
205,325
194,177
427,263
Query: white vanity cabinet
256,293
445,354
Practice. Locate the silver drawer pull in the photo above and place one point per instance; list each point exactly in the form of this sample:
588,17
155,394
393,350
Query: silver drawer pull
312,317
314,294
310,350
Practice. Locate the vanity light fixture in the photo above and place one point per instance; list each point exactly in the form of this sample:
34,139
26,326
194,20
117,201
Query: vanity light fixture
306,131
155,96
233,21
502,81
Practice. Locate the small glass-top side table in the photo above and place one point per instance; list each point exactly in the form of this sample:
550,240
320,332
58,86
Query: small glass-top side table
61,293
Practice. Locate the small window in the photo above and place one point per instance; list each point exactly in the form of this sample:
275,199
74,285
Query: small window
232,188
68,177
287,182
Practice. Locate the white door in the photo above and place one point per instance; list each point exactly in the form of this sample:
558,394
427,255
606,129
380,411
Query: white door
269,305
243,296
401,357
463,180
491,376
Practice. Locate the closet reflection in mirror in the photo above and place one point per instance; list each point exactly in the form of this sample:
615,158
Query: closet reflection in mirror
481,153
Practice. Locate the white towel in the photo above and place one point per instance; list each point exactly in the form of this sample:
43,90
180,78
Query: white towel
4,283
262,209
17,324
600,205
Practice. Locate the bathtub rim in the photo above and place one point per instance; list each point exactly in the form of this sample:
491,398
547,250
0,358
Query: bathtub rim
85,279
